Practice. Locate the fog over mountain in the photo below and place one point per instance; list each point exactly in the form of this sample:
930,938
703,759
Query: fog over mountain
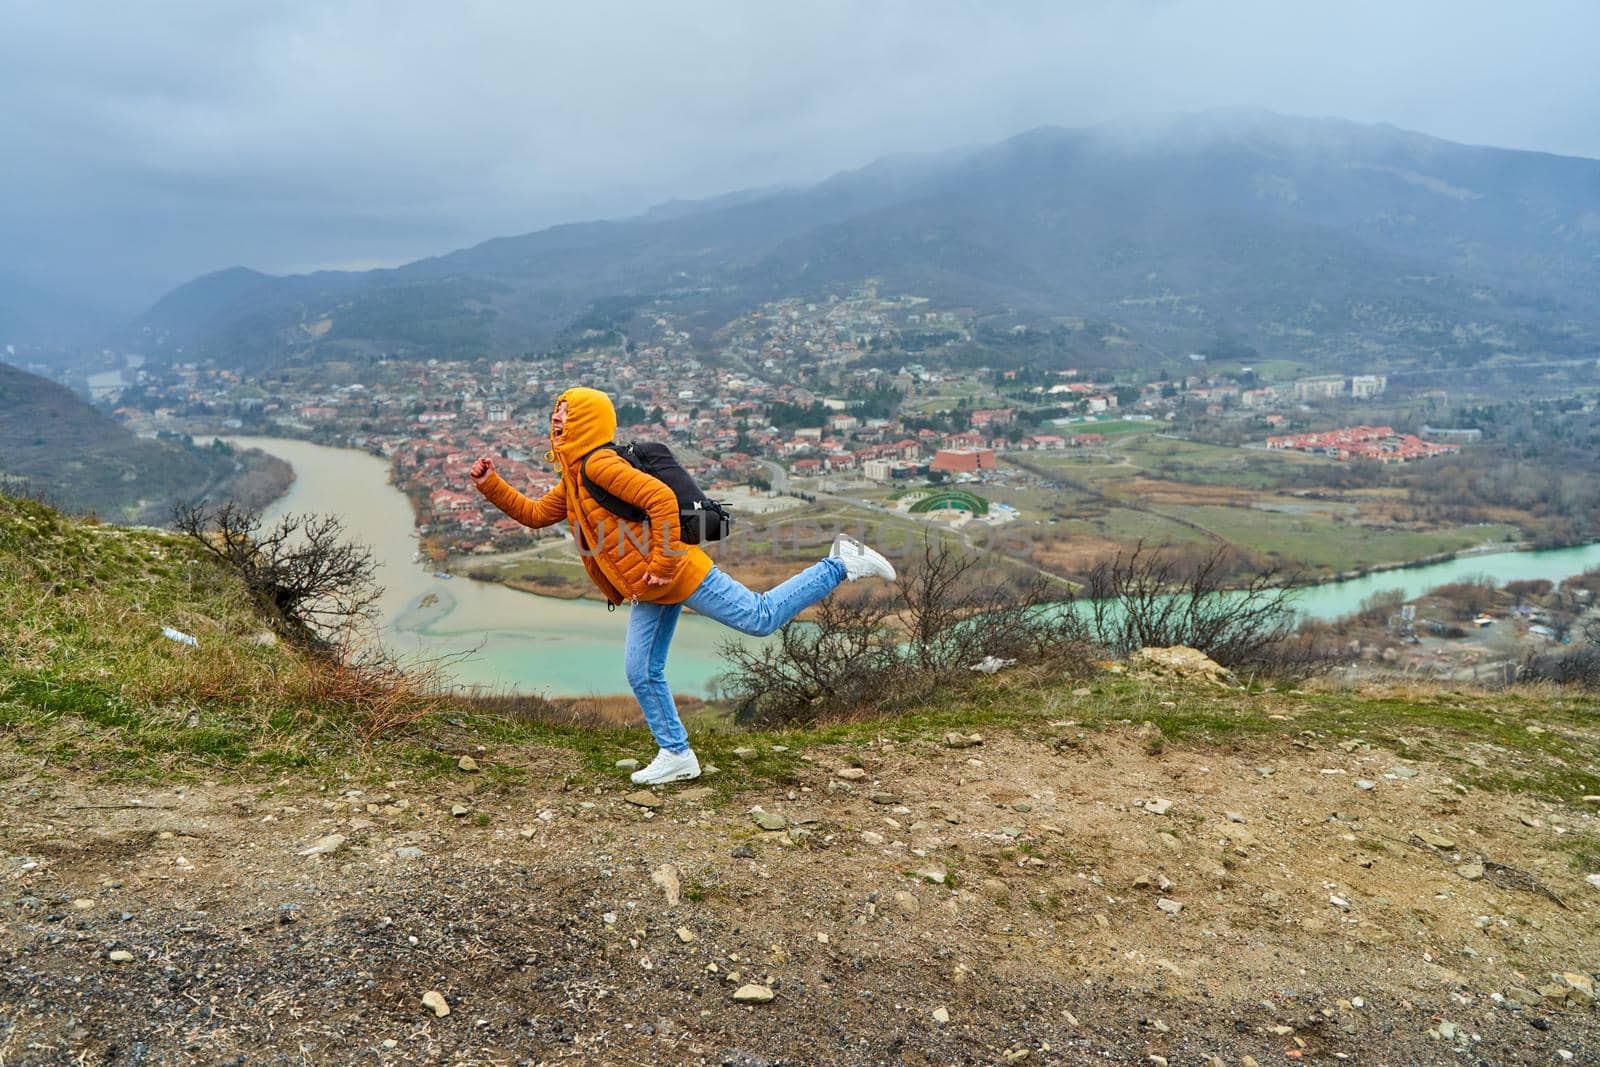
1315,238
148,144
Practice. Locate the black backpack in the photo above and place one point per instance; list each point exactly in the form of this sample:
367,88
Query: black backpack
700,518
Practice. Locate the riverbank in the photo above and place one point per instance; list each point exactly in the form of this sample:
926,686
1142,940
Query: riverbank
499,638
484,636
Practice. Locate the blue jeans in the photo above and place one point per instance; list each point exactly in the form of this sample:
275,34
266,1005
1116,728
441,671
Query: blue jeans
650,629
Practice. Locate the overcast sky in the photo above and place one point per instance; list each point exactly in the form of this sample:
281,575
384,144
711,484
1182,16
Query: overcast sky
144,143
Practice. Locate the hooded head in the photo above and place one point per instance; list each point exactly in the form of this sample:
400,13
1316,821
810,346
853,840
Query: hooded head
591,422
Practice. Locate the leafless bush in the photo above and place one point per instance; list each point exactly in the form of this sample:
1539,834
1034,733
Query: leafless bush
1577,666
1467,600
872,653
377,693
1150,598
313,587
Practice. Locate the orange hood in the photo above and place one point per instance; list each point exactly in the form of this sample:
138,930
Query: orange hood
591,422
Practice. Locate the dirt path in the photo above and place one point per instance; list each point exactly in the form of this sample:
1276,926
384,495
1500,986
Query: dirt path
1072,898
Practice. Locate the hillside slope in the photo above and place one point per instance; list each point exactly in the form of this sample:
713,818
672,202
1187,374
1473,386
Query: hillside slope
1122,867
59,446
1309,238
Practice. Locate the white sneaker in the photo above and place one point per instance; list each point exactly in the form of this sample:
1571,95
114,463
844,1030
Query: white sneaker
859,560
668,767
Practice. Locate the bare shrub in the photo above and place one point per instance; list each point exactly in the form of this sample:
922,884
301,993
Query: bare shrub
376,693
1530,589
1377,608
1149,598
1577,666
873,653
1467,600
313,587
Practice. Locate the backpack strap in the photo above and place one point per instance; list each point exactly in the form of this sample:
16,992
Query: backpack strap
610,501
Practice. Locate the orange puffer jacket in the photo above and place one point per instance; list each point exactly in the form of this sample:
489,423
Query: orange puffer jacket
611,546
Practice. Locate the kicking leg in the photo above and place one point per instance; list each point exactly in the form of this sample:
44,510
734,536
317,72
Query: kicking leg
726,599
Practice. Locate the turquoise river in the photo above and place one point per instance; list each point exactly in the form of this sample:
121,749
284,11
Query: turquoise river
502,640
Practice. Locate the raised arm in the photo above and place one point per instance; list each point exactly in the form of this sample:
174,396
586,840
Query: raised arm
548,510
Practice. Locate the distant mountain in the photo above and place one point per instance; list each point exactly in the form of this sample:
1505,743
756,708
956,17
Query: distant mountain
55,445
1306,238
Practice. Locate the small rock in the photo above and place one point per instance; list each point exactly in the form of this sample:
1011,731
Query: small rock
1366,783
746,754
83,903
851,774
120,955
941,1015
685,935
1021,806
1157,806
467,763
434,1001
872,837
1404,772
936,875
1470,871
1168,905
884,798
908,904
1266,772
458,811
753,994
769,820
627,764
643,799
666,876
1439,841
408,852
323,845
960,740
1448,1031
1593,880
743,852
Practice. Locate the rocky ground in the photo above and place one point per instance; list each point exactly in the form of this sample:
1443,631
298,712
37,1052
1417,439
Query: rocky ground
1051,894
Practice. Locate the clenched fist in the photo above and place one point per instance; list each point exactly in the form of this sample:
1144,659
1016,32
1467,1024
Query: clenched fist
481,469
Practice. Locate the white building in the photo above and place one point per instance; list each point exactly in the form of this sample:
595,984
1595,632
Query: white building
879,470
1367,386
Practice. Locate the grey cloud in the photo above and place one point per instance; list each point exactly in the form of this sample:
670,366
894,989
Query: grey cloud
153,141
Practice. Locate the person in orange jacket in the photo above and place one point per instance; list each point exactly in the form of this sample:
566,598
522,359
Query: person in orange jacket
650,567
